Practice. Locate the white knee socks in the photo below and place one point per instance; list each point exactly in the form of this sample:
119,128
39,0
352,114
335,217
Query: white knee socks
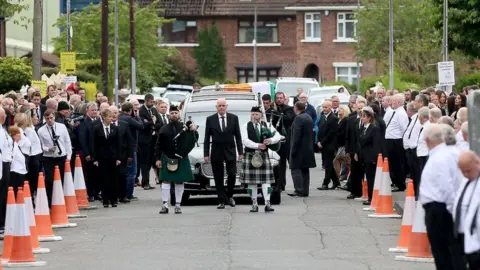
266,189
165,193
253,190
179,188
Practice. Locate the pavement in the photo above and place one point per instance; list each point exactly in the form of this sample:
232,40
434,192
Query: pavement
323,231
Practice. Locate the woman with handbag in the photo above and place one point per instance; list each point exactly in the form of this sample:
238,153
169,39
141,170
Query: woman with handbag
175,141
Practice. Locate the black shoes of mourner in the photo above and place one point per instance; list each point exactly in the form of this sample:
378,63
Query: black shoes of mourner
297,194
231,202
254,208
323,187
124,200
164,209
268,207
133,198
367,202
106,205
335,185
178,209
114,205
221,206
91,199
148,187
351,196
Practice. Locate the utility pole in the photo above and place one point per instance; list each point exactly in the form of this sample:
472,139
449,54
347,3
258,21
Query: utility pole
105,46
37,39
133,78
445,35
358,46
390,49
69,26
116,52
255,43
46,30
3,36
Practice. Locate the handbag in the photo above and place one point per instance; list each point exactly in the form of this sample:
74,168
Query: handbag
172,164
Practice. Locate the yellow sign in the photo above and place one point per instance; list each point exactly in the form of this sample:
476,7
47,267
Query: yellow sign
42,85
67,62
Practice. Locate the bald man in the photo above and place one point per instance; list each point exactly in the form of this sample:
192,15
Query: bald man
222,132
466,210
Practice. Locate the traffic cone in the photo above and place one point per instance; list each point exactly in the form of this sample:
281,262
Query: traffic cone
31,221
384,208
80,189
9,223
22,252
69,192
42,214
419,247
407,220
376,185
59,211
364,197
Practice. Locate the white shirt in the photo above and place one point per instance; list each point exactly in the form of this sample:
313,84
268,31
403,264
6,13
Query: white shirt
45,136
18,163
463,146
398,124
439,177
24,143
6,144
105,130
472,240
388,114
253,145
34,140
166,121
220,120
465,202
410,138
459,137
422,148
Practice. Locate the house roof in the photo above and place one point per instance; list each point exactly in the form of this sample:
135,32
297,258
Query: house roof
48,59
323,3
195,8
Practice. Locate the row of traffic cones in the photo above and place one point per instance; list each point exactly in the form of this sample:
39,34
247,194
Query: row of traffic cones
26,228
413,238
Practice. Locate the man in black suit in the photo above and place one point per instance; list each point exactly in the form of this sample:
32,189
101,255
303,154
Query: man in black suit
327,131
146,144
125,155
40,108
301,157
224,130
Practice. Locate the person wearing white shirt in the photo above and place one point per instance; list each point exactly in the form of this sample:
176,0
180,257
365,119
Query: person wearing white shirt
410,139
6,144
386,108
57,148
394,151
18,169
464,207
437,190
462,141
422,149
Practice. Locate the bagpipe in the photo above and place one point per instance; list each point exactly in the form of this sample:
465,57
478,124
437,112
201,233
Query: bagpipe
185,141
266,131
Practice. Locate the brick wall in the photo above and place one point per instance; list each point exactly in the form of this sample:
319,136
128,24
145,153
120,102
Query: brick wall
324,53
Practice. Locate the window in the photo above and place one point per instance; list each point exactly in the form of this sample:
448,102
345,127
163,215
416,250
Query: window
246,75
267,32
179,32
346,74
346,26
77,5
312,26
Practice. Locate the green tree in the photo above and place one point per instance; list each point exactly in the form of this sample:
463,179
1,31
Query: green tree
87,35
210,54
9,8
14,73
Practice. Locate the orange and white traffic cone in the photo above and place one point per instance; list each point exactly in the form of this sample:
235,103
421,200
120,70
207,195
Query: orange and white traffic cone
31,221
9,223
42,214
59,211
419,246
80,188
69,192
364,197
22,252
376,185
384,208
407,220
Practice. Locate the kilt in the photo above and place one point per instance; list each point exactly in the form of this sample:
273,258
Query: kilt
251,175
183,173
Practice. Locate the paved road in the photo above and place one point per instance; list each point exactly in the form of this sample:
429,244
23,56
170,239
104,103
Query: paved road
324,231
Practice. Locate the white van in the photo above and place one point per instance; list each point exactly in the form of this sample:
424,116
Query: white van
289,86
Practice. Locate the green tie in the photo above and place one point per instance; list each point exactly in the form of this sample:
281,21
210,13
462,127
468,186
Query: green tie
257,130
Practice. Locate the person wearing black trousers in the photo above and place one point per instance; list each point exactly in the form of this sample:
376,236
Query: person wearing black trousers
368,148
327,142
354,126
105,152
6,144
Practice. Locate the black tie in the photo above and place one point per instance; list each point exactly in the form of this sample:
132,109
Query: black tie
108,131
55,141
164,119
223,123
458,211
149,112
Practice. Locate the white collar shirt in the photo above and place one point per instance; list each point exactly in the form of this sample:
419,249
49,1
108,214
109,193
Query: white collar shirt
224,119
107,129
410,138
251,144
6,144
34,141
472,235
465,203
18,162
397,124
24,143
45,136
422,148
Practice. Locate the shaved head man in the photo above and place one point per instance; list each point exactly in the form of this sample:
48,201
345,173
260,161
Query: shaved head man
104,106
222,106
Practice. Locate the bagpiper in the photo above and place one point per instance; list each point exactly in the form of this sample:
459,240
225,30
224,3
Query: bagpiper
257,169
175,141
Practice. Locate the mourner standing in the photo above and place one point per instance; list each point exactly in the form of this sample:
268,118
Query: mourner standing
327,143
257,136
222,132
175,141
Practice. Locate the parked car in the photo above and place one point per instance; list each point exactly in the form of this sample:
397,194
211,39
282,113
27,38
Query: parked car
175,96
141,99
179,87
289,86
198,106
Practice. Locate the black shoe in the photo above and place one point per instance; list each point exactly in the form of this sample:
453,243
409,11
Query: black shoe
367,202
323,187
231,202
345,187
164,210
133,198
114,205
91,199
294,194
178,209
351,196
106,205
254,208
335,185
268,207
221,206
397,189
98,198
124,200
148,187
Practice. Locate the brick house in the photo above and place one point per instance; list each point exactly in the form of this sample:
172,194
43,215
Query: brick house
283,47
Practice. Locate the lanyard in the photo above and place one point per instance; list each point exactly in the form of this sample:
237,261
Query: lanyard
391,118
413,126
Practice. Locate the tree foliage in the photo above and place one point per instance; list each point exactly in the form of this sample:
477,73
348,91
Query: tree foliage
87,35
210,54
14,73
9,8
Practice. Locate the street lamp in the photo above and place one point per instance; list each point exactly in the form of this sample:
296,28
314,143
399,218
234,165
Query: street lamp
116,52
255,42
390,49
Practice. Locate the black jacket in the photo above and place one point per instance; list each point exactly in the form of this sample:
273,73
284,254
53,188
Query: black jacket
383,128
145,136
126,141
285,126
327,132
341,132
351,136
84,136
102,148
135,124
368,146
223,142
301,145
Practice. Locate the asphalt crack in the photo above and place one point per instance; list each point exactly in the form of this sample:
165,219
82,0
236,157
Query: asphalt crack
320,234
